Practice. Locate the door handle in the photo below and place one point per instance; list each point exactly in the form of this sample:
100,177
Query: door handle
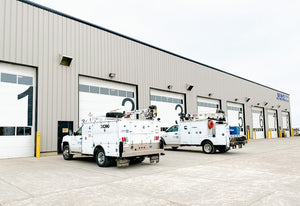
80,138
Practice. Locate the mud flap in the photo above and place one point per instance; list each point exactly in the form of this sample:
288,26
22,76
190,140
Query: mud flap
154,158
122,162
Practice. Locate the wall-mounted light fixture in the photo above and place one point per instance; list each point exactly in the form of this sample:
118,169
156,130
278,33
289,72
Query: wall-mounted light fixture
65,60
247,99
258,104
210,94
189,87
266,103
236,99
112,75
170,86
278,106
285,109
272,107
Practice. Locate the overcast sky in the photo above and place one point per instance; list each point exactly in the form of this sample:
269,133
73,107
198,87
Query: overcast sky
255,39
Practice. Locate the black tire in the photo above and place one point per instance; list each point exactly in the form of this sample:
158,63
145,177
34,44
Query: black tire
162,143
174,148
101,159
66,153
208,148
222,149
112,161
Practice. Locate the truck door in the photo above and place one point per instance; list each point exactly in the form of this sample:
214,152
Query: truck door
76,140
87,139
172,136
195,133
185,133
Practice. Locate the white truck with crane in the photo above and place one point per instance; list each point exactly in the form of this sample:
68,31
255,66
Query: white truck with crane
117,138
209,130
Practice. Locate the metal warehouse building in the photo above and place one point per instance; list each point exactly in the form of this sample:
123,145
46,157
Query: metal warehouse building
56,69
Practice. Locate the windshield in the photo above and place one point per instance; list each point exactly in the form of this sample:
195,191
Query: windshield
79,131
173,129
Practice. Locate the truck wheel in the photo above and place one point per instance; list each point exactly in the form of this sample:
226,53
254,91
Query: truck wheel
174,148
101,159
208,148
66,153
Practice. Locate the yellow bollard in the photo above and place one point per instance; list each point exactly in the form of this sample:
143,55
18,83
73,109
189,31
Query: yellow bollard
293,134
255,134
248,134
284,133
271,134
280,134
38,144
267,134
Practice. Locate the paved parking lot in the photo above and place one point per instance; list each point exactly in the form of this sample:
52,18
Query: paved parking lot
265,172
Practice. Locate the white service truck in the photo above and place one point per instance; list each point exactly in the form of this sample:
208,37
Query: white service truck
210,131
117,138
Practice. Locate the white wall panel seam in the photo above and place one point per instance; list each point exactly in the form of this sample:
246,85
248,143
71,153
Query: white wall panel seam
6,30
2,25
13,24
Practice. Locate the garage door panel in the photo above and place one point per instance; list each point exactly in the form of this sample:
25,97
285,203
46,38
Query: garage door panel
169,106
17,91
272,123
258,122
89,104
11,107
99,97
207,105
235,115
286,123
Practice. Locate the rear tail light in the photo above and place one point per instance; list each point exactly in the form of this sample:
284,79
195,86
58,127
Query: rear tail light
210,124
156,138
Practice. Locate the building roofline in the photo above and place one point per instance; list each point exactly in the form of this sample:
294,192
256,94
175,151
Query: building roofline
140,42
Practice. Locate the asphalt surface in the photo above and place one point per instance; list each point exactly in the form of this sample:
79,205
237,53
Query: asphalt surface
264,172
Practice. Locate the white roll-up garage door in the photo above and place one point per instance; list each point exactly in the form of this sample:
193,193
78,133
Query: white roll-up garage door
207,105
100,96
272,121
235,113
285,123
17,109
258,122
169,106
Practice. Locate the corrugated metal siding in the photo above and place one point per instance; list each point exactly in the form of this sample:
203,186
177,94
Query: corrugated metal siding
32,36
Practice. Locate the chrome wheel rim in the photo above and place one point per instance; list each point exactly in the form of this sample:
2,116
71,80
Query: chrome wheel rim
207,147
66,152
101,157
